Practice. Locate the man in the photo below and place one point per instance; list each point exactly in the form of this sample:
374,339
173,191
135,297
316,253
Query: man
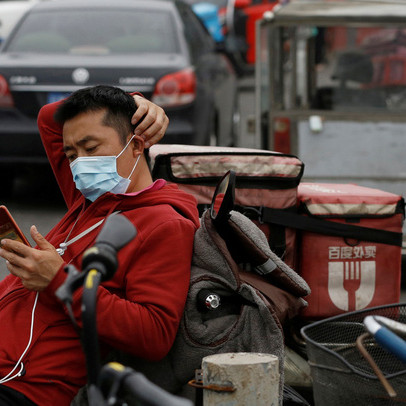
139,309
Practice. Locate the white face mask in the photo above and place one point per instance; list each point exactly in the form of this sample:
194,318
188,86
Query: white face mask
96,175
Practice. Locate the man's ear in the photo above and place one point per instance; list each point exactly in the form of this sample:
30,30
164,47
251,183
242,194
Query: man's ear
137,145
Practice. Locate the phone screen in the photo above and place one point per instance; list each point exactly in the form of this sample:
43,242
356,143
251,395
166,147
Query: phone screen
7,231
9,228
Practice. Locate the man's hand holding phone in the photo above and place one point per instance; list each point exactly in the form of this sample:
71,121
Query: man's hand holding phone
36,267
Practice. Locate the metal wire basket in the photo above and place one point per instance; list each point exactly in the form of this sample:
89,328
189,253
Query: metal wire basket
341,374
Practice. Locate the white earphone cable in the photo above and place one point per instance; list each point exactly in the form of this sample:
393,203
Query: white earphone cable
8,377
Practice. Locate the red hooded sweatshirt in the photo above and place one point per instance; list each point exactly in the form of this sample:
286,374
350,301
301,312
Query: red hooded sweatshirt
138,310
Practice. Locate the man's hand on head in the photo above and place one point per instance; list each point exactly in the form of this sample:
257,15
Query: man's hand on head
35,267
151,121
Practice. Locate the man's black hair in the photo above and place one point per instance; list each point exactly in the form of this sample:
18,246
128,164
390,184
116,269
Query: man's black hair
119,105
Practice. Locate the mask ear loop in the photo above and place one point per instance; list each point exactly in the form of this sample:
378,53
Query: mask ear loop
126,145
136,162
135,165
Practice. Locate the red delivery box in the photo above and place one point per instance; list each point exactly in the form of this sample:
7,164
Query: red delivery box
353,259
266,183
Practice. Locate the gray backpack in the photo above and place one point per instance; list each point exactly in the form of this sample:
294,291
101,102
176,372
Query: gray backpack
251,315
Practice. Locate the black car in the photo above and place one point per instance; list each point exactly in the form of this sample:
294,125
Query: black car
159,48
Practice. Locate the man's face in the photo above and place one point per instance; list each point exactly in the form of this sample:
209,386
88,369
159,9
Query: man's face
86,135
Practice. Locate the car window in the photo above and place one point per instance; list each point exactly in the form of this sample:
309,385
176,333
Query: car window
96,32
199,39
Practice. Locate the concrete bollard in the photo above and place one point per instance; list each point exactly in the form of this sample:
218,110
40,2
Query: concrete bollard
254,376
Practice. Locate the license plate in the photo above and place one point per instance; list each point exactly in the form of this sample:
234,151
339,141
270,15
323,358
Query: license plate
56,96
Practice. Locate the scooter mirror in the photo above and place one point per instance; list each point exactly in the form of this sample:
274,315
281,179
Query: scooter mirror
223,198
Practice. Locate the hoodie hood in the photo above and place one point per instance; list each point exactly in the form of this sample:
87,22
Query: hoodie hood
184,203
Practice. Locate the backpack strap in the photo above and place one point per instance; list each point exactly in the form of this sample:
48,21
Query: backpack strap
277,232
326,227
277,239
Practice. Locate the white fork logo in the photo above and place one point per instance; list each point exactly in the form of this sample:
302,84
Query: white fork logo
351,284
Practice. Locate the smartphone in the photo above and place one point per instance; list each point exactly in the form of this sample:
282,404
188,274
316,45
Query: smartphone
9,228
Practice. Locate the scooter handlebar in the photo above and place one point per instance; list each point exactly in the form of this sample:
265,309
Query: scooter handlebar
115,375
386,338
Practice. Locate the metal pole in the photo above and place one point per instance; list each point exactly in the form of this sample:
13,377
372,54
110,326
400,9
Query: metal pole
236,379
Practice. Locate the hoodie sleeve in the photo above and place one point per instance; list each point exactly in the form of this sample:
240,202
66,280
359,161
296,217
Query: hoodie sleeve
51,136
